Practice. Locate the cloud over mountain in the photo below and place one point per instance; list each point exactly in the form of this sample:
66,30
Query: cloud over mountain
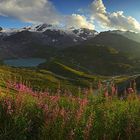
30,10
77,20
115,20
44,11
41,11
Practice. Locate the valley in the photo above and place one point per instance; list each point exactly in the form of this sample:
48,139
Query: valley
78,57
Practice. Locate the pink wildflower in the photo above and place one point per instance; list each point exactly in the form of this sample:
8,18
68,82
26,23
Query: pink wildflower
130,90
106,93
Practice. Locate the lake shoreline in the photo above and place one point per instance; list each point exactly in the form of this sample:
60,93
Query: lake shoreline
24,62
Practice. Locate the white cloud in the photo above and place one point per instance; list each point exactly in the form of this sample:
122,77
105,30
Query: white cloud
30,10
115,20
77,21
41,11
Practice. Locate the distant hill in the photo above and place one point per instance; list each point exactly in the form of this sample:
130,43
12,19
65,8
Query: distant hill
118,42
130,35
98,59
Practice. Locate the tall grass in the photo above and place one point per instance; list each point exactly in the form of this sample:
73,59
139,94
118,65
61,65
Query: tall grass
29,115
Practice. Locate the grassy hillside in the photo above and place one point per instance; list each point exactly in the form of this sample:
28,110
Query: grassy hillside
54,75
43,79
98,59
118,42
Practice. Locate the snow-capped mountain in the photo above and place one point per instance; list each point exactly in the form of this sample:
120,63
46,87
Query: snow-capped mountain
49,35
35,40
29,40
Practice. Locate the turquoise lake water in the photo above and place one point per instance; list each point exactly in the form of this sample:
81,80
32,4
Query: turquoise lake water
24,62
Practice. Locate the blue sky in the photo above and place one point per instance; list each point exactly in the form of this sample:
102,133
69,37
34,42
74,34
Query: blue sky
9,22
68,7
130,7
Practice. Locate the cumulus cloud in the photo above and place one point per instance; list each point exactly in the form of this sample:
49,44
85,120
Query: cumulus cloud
34,11
77,21
41,11
115,20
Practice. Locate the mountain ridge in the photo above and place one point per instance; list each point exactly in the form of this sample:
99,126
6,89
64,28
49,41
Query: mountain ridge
86,48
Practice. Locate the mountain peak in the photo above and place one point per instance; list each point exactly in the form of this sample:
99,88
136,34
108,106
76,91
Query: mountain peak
42,27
